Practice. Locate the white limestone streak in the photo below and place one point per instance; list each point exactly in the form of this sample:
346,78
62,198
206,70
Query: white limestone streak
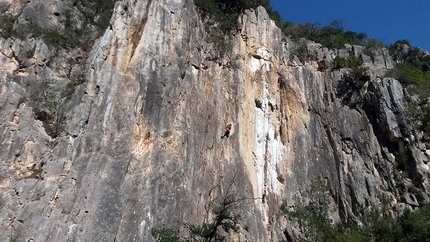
268,151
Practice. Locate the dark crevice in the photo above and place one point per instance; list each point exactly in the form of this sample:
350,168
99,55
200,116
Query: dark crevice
348,92
288,236
258,104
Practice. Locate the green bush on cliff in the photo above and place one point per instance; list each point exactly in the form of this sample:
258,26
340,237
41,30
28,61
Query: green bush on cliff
301,51
44,98
6,26
222,216
221,18
73,83
97,12
333,35
408,74
358,73
373,46
163,234
315,215
412,64
225,13
53,36
96,15
339,62
412,69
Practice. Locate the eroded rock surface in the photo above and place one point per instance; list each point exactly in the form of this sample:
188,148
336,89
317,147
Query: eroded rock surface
137,142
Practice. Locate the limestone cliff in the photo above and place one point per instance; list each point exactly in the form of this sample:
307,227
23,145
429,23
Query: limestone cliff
136,144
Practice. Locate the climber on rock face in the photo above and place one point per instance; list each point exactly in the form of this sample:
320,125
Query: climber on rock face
227,131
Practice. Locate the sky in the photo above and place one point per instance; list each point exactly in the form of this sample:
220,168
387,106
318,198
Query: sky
386,20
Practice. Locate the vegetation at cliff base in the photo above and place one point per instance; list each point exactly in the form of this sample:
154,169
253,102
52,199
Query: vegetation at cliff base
222,216
377,222
377,225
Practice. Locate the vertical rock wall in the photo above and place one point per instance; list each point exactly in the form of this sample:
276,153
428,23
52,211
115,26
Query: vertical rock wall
142,147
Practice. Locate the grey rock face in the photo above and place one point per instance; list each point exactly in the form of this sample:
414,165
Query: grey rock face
138,141
388,100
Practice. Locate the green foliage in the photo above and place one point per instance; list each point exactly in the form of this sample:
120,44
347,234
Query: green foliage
350,61
403,158
221,18
360,76
399,50
425,118
225,12
315,215
163,234
71,86
413,71
317,226
409,74
403,52
225,216
96,12
283,209
358,73
377,222
333,36
320,192
354,61
339,62
322,65
96,15
54,36
45,99
415,225
410,226
223,44
48,100
6,26
39,194
301,51
421,114
222,217
373,46
348,232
